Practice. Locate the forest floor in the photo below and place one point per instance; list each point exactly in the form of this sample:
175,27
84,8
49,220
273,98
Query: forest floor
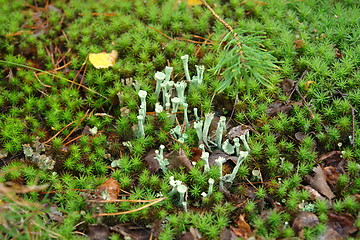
178,119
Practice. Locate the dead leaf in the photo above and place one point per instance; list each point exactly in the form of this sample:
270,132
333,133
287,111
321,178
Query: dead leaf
228,234
331,174
342,223
86,130
191,3
237,131
193,234
98,232
304,219
109,190
103,60
314,195
218,153
300,136
318,182
243,228
282,107
196,154
329,234
178,159
287,86
152,163
331,158
55,214
307,84
129,231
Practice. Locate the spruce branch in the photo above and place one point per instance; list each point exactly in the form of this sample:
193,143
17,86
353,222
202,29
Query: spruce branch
242,58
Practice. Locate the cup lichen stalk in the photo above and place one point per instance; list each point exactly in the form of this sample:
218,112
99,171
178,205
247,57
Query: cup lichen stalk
159,77
208,118
230,177
221,127
163,162
185,60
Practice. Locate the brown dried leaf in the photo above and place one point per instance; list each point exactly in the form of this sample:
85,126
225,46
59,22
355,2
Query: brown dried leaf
98,232
304,219
218,153
228,234
112,188
331,174
331,158
152,163
282,107
179,159
319,183
193,234
314,195
132,232
196,154
300,136
287,86
243,228
86,130
342,223
329,234
237,131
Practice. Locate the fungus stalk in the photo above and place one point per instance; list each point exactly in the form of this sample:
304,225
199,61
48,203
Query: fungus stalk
200,73
219,161
185,60
227,147
163,162
180,89
221,127
158,108
230,177
237,146
244,140
196,114
186,120
141,132
159,77
168,71
211,185
182,189
174,184
208,118
142,94
198,126
205,157
175,104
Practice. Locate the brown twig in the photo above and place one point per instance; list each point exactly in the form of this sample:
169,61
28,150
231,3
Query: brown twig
192,41
74,139
77,125
161,33
58,132
134,210
36,76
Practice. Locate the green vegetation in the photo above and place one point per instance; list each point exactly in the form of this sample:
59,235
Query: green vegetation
66,127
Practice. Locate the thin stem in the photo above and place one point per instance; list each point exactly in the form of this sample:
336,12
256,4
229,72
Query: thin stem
238,42
53,75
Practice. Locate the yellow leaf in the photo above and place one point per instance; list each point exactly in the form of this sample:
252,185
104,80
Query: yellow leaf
193,2
103,60
307,85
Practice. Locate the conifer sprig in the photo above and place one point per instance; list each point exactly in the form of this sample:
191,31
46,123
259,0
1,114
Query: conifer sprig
243,57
